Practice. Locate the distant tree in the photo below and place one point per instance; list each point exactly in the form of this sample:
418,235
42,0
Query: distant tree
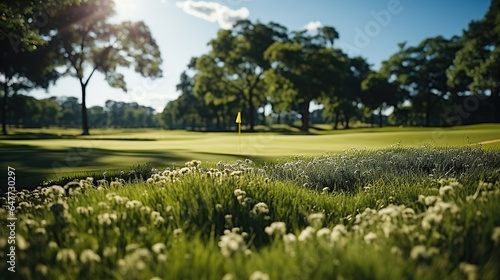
344,100
379,94
312,67
49,112
479,59
235,65
69,108
87,42
421,71
98,117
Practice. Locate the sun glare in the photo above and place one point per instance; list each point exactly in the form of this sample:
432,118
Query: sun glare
124,7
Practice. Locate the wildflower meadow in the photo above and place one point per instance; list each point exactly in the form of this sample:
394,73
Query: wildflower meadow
396,213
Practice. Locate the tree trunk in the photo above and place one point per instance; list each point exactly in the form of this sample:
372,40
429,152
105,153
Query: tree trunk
428,110
372,120
4,108
336,125
495,105
381,117
279,118
263,115
305,115
251,109
85,126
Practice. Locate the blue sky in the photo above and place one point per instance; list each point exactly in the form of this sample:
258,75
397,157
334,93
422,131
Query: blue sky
369,28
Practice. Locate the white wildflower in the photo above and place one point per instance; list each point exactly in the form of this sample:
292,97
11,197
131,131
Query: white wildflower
89,257
276,228
307,234
469,269
495,236
232,243
370,237
258,275
316,219
66,256
260,209
159,248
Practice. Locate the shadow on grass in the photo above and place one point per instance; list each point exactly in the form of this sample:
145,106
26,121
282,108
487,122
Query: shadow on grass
35,164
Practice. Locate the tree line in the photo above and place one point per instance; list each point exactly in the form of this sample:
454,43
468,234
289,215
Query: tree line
438,82
65,112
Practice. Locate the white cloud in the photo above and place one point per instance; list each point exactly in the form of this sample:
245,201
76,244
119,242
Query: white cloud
313,25
214,12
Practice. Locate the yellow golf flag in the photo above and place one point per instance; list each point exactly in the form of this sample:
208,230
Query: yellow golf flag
238,118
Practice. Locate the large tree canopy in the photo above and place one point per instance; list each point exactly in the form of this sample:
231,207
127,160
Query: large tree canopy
309,65
26,60
421,70
235,65
86,42
479,59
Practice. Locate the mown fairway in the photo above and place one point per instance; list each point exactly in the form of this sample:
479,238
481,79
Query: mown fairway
41,154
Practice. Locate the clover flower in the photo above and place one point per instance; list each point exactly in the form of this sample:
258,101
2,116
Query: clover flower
109,251
276,228
260,209
159,248
66,256
323,234
446,190
107,218
258,275
338,232
469,269
316,219
307,234
133,204
89,257
495,236
422,252
135,261
370,237
232,243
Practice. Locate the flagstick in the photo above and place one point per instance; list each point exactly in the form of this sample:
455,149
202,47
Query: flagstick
238,121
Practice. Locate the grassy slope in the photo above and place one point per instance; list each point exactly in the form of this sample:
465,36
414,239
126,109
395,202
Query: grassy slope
59,152
456,238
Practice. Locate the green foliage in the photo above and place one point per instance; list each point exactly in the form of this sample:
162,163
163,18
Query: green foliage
231,220
476,65
84,39
313,69
233,68
422,72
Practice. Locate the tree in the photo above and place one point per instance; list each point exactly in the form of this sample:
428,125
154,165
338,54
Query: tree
23,71
421,71
313,68
26,63
378,93
237,62
346,98
479,59
22,22
86,42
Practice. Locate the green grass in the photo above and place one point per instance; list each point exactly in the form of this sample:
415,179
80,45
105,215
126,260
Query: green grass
48,154
417,213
